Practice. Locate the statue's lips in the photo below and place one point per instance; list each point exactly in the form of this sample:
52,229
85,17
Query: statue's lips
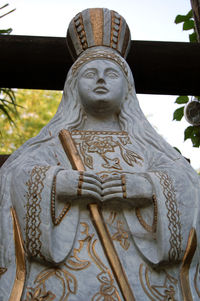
101,90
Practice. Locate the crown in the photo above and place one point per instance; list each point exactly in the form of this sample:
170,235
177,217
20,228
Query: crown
98,27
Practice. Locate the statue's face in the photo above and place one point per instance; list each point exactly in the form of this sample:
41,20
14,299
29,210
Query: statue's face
102,87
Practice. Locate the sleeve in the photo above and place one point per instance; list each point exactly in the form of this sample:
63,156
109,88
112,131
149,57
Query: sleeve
31,192
161,230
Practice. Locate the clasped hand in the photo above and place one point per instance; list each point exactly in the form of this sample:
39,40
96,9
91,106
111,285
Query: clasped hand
130,187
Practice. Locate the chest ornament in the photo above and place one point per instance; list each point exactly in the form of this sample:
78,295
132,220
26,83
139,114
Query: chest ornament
102,143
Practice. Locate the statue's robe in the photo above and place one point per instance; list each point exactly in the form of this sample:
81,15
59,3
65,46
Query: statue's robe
66,261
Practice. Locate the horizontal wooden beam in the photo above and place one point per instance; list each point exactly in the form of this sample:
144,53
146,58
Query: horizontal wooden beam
42,63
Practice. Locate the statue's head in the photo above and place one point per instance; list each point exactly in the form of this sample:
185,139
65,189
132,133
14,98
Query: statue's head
100,78
102,87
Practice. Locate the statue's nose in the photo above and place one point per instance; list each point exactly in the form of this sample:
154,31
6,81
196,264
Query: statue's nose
100,81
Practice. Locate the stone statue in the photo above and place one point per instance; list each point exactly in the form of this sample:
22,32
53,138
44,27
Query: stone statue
98,206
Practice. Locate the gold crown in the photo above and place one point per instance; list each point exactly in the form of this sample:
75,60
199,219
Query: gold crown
98,27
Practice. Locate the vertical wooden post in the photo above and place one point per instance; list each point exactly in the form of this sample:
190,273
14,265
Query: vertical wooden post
196,12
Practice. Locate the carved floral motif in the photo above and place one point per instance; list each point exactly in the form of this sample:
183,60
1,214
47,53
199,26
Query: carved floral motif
154,292
105,142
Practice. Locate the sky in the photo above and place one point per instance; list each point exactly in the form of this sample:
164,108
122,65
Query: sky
147,19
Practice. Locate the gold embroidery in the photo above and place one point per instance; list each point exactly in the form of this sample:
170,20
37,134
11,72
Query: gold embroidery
151,229
195,280
33,221
80,183
173,216
103,143
123,177
57,220
121,235
68,281
107,289
74,262
2,271
38,294
92,55
158,292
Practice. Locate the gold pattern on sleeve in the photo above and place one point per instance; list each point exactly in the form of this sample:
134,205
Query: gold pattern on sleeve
173,216
121,235
101,143
149,228
165,291
35,187
57,220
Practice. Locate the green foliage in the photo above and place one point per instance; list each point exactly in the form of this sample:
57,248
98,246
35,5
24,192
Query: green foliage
183,18
182,99
191,132
187,25
36,108
178,114
193,37
5,31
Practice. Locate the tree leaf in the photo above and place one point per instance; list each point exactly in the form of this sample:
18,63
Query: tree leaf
178,114
190,14
182,99
189,24
193,133
196,141
193,37
180,19
188,133
5,31
183,18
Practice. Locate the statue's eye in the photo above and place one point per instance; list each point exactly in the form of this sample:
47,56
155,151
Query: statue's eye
112,74
89,74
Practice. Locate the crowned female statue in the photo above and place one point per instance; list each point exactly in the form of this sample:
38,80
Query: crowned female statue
98,206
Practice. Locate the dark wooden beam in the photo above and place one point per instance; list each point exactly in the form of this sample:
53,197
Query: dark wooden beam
42,63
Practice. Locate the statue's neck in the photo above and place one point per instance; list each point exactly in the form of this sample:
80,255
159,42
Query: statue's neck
110,123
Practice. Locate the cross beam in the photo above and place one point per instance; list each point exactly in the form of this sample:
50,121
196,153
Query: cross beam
32,62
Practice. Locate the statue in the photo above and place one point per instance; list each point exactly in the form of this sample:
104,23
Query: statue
98,206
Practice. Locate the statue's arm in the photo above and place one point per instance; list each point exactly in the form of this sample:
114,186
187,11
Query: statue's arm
31,194
172,214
